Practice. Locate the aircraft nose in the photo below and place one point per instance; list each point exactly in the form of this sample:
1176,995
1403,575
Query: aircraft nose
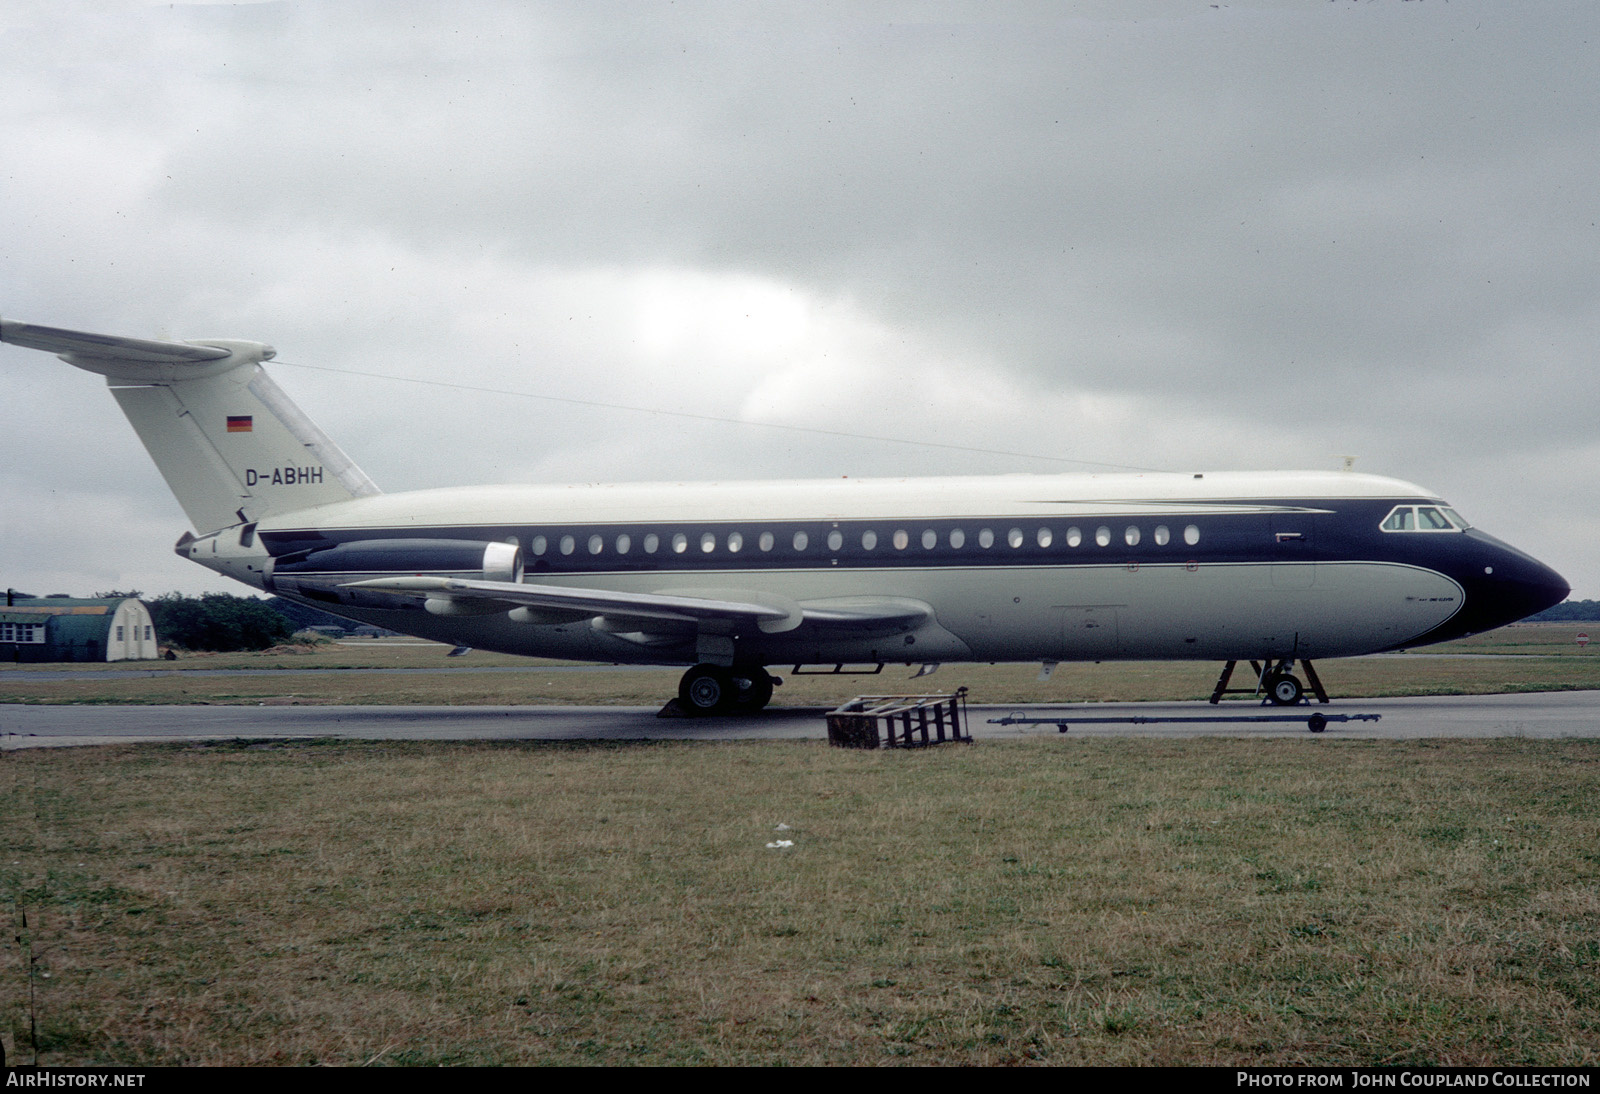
1524,586
1547,590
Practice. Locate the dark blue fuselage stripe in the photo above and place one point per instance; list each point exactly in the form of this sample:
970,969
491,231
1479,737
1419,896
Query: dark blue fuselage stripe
1311,534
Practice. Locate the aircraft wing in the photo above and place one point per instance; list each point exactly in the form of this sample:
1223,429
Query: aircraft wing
578,602
772,614
76,343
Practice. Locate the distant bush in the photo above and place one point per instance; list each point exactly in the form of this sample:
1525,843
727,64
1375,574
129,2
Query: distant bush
311,638
217,621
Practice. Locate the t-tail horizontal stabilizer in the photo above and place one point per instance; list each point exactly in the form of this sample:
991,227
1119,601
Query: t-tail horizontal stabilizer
231,445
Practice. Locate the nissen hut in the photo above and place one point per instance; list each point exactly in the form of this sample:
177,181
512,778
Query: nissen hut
58,628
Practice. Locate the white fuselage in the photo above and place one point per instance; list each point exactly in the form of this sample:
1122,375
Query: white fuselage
1013,568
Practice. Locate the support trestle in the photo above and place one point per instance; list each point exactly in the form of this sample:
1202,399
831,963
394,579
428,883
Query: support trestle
1275,682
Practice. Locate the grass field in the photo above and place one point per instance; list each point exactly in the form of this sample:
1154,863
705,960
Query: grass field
1086,901
1207,901
1529,657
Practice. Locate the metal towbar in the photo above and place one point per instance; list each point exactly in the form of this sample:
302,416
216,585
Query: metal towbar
1316,722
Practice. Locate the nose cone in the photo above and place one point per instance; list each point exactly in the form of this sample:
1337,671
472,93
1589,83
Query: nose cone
1514,586
1533,593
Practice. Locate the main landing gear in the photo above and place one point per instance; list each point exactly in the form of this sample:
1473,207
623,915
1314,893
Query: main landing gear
714,689
1275,681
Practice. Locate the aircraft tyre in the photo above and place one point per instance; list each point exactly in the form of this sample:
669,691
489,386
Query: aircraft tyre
707,689
752,689
1284,690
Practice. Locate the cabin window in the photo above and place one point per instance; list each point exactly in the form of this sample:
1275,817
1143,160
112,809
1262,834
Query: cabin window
835,540
1191,535
1014,537
568,545
539,543
1162,535
1074,537
708,542
1044,537
596,544
869,539
800,541
680,543
958,538
766,541
735,542
986,538
1102,536
623,543
1130,535
902,539
651,542
930,539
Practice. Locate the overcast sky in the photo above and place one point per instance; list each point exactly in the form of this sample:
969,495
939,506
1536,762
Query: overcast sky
1175,235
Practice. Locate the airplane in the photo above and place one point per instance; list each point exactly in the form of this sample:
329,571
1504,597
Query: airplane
729,579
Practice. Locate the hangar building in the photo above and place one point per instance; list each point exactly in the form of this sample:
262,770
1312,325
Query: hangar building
58,628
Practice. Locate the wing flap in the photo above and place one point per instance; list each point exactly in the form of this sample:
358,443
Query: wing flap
865,615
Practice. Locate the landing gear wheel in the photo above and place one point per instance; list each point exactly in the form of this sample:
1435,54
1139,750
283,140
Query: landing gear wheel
706,689
752,689
1284,690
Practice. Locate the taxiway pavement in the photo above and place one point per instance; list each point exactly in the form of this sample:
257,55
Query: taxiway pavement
1541,714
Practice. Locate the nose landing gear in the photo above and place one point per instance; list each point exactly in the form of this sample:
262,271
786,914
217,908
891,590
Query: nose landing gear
1275,681
1283,689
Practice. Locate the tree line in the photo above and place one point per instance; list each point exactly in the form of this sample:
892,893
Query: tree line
222,622
1568,610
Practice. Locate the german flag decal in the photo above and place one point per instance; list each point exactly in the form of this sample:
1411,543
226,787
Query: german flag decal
240,423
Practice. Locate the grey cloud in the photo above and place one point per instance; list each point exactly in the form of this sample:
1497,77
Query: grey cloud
1318,227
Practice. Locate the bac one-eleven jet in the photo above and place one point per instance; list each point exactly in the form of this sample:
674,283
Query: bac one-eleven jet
731,578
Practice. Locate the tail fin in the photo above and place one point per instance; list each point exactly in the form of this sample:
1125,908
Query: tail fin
231,445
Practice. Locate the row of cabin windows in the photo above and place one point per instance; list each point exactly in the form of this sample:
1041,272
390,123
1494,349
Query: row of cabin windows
679,542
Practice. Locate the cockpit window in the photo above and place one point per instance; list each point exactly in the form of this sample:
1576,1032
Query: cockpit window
1402,519
1423,518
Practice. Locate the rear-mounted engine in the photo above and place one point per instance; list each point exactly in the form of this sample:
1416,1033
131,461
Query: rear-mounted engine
319,574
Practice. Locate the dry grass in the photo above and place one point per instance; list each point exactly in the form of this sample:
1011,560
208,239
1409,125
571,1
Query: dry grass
1067,901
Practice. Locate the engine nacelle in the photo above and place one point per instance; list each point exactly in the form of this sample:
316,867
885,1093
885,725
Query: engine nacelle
320,574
